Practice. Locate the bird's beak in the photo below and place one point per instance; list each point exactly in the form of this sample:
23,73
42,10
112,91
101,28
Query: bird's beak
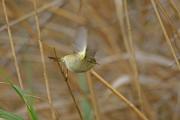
55,59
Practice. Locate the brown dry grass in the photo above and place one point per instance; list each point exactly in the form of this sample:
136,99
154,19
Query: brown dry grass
138,54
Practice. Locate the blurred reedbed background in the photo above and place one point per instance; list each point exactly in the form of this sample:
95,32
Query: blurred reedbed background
138,52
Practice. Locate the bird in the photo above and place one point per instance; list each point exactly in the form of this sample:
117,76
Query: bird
83,58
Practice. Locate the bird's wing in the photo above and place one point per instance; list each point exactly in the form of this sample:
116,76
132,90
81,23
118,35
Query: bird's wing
91,50
80,42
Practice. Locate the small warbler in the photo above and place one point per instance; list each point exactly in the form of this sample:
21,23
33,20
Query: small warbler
83,59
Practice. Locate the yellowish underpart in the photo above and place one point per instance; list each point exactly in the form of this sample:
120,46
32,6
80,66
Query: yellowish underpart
82,54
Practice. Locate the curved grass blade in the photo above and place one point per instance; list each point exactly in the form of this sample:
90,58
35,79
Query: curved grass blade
9,116
28,100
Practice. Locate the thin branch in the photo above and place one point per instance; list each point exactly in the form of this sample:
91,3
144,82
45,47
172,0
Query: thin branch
5,83
122,10
43,61
171,23
28,15
119,95
65,76
177,11
175,8
165,33
133,57
12,44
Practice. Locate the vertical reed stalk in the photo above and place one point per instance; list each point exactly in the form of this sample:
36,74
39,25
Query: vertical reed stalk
12,45
165,33
43,61
122,10
133,57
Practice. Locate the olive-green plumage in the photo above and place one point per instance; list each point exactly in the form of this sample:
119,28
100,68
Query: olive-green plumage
76,63
83,59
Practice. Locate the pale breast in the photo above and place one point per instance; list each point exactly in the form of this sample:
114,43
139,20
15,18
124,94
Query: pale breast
76,64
